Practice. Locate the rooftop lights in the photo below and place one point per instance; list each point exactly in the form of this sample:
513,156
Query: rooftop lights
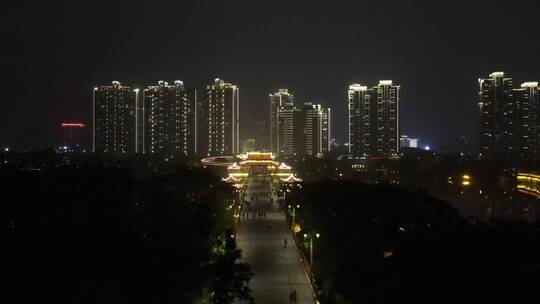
358,87
496,74
71,124
529,85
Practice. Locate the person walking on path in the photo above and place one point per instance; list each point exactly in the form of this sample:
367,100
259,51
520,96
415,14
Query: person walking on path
294,296
285,243
291,297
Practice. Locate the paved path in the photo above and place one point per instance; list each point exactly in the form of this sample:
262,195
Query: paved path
277,270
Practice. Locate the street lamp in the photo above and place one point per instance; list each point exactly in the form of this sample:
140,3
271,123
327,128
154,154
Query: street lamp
317,235
294,214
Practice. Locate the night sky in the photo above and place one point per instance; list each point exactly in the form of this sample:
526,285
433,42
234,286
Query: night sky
54,52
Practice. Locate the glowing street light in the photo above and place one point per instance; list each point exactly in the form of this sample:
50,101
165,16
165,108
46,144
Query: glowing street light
293,214
310,236
466,180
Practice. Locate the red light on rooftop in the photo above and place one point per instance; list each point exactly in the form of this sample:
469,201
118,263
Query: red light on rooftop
71,124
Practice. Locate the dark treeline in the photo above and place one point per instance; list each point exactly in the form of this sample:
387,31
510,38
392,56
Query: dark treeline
492,192
97,235
383,244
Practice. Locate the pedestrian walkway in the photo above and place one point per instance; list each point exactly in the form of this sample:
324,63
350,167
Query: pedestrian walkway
277,269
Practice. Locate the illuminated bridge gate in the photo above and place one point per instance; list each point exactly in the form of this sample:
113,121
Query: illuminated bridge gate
529,184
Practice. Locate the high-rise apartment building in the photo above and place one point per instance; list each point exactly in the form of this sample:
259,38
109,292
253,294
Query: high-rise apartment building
286,136
115,119
281,100
168,120
359,127
326,133
374,120
528,124
498,116
509,118
304,131
218,120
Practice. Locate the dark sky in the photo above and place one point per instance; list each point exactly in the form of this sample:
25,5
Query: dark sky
54,52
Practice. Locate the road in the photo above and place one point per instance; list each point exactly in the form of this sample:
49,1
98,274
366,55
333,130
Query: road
277,270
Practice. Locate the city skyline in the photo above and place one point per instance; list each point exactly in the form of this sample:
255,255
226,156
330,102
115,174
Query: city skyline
342,137
427,57
520,102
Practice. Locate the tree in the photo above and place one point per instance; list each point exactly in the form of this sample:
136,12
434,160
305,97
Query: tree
231,278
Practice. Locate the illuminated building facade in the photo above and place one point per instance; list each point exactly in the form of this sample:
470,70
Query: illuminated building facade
281,100
509,118
326,133
218,120
498,113
304,131
72,134
374,120
168,120
528,103
359,128
286,132
115,119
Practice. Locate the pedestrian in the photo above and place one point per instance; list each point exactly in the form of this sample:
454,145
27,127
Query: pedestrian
285,243
291,297
294,296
